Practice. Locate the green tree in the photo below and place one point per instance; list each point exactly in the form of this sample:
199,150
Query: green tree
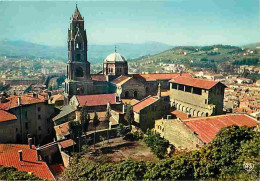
129,114
84,118
95,124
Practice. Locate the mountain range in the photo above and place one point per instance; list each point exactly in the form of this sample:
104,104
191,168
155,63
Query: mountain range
96,53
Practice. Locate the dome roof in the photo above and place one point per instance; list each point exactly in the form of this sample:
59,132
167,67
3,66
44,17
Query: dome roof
114,57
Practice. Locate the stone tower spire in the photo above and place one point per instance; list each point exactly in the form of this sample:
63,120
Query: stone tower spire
78,68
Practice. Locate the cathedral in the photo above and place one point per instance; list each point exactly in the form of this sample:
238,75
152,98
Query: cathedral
114,77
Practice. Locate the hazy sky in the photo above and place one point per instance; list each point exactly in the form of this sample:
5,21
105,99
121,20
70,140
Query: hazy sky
175,22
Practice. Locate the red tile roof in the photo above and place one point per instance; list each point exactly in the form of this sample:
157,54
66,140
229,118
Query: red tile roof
195,82
207,128
96,100
144,103
9,157
57,169
67,143
159,76
6,116
120,79
179,114
99,77
25,100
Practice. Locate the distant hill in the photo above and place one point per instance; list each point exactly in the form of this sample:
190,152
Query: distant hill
96,53
193,56
251,46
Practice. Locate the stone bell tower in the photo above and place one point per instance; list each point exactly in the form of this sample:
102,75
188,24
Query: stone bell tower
78,68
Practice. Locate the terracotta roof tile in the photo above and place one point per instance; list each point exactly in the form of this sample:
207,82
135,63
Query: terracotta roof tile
57,169
207,128
96,100
159,76
195,82
9,157
99,77
25,100
144,103
120,79
6,116
179,114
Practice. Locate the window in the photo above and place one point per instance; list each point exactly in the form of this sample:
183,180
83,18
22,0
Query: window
187,88
78,46
39,109
40,136
39,128
206,101
181,87
26,125
79,72
39,116
197,90
126,94
174,86
16,129
135,93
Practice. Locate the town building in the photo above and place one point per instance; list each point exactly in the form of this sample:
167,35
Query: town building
25,158
192,133
149,109
198,97
33,119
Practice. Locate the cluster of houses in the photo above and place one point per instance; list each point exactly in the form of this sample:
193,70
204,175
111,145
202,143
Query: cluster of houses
35,133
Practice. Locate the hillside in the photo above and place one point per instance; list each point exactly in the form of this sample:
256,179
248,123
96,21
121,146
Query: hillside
194,56
251,46
96,53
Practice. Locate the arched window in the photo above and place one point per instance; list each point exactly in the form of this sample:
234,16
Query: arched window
126,94
79,72
135,94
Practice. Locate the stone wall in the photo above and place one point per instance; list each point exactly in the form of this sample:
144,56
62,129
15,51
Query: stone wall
178,134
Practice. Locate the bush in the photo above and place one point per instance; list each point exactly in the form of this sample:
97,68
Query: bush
222,159
157,144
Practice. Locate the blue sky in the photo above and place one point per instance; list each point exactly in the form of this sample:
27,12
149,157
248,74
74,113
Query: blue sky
175,22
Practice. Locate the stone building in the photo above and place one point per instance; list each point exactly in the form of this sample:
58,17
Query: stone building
33,115
78,68
149,109
193,133
198,97
115,64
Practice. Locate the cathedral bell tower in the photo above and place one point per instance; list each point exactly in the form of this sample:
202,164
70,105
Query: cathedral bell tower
78,68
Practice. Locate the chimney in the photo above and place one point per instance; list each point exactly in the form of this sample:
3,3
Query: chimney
35,95
19,101
124,108
30,143
38,154
159,91
20,152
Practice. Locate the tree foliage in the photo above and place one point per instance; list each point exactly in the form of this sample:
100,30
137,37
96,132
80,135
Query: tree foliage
129,114
222,159
157,144
11,173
